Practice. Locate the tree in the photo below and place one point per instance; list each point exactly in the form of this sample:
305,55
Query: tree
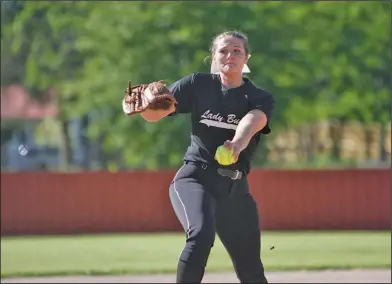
321,61
42,31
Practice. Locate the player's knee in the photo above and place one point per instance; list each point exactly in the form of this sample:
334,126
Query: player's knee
202,237
198,246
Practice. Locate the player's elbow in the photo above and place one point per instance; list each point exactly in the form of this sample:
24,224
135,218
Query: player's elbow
258,119
261,121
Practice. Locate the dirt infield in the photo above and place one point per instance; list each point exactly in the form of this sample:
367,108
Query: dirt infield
325,276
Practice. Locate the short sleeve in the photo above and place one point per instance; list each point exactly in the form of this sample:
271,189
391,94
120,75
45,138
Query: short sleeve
183,91
265,102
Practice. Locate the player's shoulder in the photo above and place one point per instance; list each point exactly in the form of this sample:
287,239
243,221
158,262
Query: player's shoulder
204,77
199,77
256,90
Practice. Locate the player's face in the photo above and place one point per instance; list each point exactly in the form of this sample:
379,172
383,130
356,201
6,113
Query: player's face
230,55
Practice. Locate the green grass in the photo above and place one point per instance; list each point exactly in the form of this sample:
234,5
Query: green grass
158,253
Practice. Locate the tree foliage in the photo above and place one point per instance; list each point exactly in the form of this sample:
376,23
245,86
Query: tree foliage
321,60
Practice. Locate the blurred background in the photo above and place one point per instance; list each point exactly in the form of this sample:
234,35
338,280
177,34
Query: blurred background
64,69
73,163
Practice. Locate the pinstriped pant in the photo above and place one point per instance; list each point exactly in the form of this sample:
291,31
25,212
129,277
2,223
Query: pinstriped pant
206,203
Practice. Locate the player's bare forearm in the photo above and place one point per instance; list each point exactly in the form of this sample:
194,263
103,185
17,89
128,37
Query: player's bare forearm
155,115
248,126
149,115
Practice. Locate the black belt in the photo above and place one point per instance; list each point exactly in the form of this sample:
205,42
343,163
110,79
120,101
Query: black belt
230,173
233,174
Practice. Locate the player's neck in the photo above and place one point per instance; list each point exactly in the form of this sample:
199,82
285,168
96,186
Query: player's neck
231,81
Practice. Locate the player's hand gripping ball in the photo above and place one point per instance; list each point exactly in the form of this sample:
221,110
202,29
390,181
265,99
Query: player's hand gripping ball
224,156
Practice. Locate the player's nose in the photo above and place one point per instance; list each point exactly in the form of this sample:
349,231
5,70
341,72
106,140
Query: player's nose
229,56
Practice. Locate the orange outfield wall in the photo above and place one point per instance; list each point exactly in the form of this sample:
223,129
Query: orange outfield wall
92,202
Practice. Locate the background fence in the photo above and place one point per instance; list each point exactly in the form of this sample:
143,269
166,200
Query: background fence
51,203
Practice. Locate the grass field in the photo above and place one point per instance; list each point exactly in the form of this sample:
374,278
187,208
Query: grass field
158,253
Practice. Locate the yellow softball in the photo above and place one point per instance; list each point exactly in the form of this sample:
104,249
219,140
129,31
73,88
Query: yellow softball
223,156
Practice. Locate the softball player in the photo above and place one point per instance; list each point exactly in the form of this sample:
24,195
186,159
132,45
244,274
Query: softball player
208,198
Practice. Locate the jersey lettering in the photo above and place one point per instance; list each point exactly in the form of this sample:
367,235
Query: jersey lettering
231,119
216,120
212,116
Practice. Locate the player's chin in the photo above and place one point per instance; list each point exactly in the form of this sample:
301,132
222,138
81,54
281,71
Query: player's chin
231,70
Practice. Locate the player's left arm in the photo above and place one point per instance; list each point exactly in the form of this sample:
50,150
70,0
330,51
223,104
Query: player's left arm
253,122
256,120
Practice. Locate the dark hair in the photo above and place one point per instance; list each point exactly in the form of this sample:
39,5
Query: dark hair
236,34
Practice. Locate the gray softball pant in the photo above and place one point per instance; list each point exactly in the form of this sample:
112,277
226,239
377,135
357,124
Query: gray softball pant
207,203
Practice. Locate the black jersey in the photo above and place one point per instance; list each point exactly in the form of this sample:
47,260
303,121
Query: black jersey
216,112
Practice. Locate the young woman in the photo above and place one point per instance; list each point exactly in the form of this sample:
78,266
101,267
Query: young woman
208,198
